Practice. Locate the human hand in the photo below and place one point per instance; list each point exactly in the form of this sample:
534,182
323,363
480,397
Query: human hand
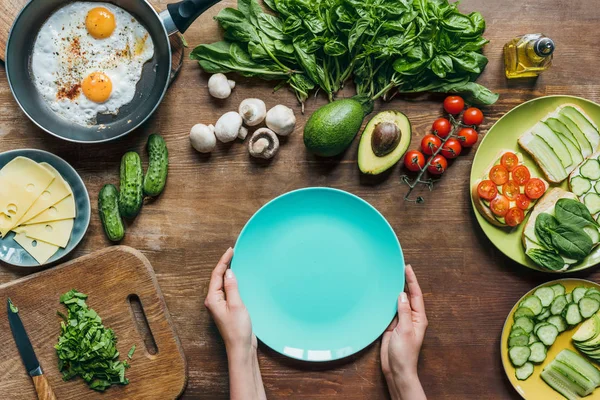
401,343
225,305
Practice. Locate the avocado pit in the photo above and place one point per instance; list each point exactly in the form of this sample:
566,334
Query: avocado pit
385,138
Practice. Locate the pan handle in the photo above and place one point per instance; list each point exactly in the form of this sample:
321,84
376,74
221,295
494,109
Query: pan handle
179,16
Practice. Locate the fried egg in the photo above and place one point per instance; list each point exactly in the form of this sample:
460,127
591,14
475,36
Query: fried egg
87,60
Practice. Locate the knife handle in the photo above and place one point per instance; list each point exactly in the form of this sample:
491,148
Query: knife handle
42,388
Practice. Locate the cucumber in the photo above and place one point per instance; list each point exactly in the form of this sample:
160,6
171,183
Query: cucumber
560,383
545,294
538,352
108,207
551,138
592,232
547,334
547,158
592,202
562,129
521,340
572,314
579,364
587,127
517,331
588,330
584,386
597,187
558,289
524,323
588,307
580,185
578,293
544,315
590,169
524,371
519,355
558,322
158,165
131,194
584,143
523,312
594,296
569,297
533,303
573,150
533,339
558,305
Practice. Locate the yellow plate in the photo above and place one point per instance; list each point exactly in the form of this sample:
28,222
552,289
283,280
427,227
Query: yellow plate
535,388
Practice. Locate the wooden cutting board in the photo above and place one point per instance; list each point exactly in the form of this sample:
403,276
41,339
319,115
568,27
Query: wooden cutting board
110,278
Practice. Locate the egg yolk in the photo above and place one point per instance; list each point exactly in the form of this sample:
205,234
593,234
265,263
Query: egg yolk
100,22
97,87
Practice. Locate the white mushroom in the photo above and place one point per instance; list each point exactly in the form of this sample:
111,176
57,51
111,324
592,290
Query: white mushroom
253,111
229,127
203,138
281,120
243,133
263,143
219,86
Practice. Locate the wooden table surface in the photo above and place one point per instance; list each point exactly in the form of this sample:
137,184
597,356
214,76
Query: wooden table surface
469,286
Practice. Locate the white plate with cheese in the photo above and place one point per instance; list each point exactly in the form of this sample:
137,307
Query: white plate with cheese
44,208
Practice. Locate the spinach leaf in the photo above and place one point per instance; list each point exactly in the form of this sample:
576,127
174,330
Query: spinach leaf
546,259
571,242
573,212
545,224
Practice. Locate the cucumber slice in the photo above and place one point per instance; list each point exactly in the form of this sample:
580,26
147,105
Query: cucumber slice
547,158
584,385
538,352
545,294
549,136
579,364
524,323
584,143
592,202
569,297
547,334
572,314
560,383
578,293
519,355
522,340
523,312
592,232
533,303
558,322
544,315
590,169
587,307
597,187
574,151
533,339
594,296
591,291
580,185
588,330
562,129
524,371
538,326
517,331
558,289
558,305
587,127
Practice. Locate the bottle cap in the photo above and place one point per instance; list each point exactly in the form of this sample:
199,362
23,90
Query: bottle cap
544,47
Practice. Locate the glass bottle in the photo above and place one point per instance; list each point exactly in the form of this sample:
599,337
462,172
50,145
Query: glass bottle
528,55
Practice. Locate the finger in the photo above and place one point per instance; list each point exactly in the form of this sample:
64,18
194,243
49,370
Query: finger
416,296
231,290
216,278
405,323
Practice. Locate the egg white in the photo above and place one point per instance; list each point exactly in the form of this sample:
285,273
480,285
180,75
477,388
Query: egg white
65,53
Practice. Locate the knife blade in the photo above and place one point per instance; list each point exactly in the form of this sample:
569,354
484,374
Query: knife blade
32,365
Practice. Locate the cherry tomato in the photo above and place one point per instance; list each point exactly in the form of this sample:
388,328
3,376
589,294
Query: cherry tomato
441,127
509,160
487,190
452,148
473,116
522,201
514,216
454,104
499,175
521,175
535,188
467,137
511,190
430,144
437,165
414,160
499,205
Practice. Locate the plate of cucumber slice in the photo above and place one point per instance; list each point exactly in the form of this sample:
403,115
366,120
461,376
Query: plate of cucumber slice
581,178
550,343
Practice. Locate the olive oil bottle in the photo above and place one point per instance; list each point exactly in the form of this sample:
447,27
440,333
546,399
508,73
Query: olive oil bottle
528,55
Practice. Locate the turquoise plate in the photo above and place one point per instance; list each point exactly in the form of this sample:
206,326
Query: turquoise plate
320,271
10,251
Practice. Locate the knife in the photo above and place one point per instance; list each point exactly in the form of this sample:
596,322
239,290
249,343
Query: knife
42,386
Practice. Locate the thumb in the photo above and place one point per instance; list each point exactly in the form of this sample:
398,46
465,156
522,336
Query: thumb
232,293
404,314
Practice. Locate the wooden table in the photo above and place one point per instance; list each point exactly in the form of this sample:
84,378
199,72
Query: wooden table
469,286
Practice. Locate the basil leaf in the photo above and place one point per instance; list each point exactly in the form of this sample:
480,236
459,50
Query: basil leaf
571,242
573,212
546,259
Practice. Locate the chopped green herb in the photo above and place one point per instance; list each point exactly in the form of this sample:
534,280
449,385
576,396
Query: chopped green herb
86,348
131,351
13,308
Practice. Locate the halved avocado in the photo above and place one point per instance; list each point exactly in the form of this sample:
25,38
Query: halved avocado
384,141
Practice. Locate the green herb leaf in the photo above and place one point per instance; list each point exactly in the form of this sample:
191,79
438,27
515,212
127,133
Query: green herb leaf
573,212
546,259
572,242
131,351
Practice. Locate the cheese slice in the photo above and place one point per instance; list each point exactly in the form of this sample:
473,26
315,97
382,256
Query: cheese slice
57,233
58,190
22,181
38,249
64,209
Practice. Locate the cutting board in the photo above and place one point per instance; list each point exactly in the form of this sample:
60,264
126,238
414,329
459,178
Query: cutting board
111,278
9,9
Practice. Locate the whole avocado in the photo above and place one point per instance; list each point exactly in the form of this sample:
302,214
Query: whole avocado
131,194
331,129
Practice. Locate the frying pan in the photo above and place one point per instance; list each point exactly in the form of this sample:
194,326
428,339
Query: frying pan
150,90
